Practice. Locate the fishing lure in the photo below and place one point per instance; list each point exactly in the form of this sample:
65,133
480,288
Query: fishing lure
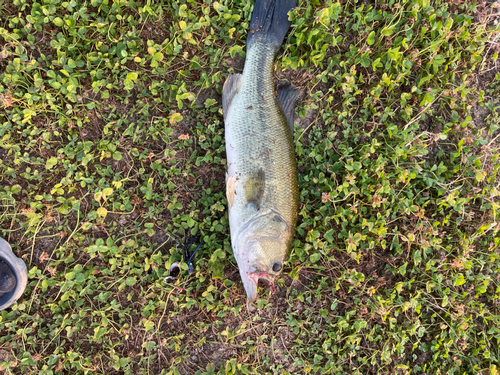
187,255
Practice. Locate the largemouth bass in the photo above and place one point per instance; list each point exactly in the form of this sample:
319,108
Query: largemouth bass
261,181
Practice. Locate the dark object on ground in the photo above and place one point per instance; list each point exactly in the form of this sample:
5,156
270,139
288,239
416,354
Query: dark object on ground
187,255
13,276
7,278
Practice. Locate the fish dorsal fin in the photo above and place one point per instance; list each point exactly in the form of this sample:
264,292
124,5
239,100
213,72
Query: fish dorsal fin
287,96
229,90
254,188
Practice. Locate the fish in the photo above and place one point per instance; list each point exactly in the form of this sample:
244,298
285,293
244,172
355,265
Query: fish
261,180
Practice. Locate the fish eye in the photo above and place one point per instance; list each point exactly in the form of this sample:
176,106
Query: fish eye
276,266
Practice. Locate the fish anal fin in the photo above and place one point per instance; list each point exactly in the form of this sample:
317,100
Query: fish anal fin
254,188
287,96
229,90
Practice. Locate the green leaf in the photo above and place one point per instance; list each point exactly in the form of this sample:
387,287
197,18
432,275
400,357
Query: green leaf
58,21
444,303
132,76
128,84
460,280
329,235
102,212
315,257
50,163
15,189
148,325
99,332
387,31
107,192
175,118
182,10
377,64
371,38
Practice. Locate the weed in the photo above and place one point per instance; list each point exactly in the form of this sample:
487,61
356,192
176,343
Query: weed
111,138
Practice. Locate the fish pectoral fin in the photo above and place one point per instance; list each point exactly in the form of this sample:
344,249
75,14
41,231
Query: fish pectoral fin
254,188
287,96
230,189
229,90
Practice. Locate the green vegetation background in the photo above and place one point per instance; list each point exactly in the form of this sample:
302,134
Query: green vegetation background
112,137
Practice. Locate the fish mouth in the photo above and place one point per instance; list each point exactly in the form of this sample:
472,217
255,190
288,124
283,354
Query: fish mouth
269,282
251,278
263,277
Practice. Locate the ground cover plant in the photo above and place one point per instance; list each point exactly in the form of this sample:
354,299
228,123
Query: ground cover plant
112,141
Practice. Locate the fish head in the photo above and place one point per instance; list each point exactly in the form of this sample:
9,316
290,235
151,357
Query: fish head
260,248
263,261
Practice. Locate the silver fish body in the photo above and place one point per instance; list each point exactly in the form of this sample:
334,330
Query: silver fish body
261,181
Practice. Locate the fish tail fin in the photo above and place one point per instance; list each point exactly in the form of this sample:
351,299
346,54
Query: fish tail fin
270,22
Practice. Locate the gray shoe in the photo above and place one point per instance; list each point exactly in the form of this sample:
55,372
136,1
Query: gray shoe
13,276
